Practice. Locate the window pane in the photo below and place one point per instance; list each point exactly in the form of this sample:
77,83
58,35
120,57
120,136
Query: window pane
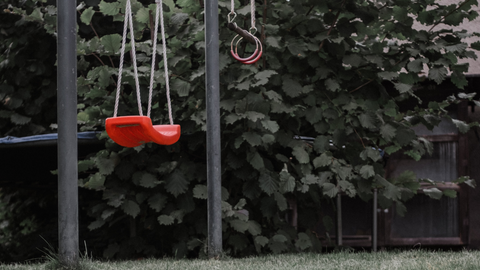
427,217
441,166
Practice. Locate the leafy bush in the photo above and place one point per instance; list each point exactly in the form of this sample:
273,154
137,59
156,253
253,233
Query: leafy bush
28,72
323,74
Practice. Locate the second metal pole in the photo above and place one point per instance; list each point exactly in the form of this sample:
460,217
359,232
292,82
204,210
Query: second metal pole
67,134
374,229
339,221
214,180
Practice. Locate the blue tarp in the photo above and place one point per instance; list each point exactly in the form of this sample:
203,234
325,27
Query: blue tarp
88,135
312,140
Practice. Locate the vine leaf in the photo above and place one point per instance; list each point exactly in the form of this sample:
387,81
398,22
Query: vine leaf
277,243
252,138
157,202
437,74
303,241
287,182
367,171
281,201
433,193
450,193
367,121
200,192
176,183
462,126
19,119
239,225
256,160
268,184
330,190
273,41
87,15
148,180
388,132
142,15
111,9
300,154
391,191
96,181
261,240
105,165
323,160
111,43
165,220
182,87
270,125
96,224
291,87
131,208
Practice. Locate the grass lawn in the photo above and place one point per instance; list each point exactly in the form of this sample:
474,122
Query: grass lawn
342,260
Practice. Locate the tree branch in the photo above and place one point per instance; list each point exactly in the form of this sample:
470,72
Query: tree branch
450,13
361,140
330,30
371,80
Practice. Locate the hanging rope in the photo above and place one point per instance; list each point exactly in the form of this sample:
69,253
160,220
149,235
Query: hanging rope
252,17
167,85
122,55
134,58
129,22
232,12
152,70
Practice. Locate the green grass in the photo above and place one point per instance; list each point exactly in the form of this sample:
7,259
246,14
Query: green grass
415,260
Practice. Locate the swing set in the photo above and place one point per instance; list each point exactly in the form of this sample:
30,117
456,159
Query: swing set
135,130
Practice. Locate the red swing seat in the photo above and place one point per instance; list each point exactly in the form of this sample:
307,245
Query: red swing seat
132,131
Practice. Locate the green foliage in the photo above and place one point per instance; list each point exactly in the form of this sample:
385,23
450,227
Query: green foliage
23,216
27,70
326,64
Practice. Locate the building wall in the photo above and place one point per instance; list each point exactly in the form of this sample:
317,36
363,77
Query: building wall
473,26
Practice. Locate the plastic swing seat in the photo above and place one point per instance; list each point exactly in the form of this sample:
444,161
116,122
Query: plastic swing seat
132,131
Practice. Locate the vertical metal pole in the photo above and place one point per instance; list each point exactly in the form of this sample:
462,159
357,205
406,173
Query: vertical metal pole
374,229
214,180
339,220
67,133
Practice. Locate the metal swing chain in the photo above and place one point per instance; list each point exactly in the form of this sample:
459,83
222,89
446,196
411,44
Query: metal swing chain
129,21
